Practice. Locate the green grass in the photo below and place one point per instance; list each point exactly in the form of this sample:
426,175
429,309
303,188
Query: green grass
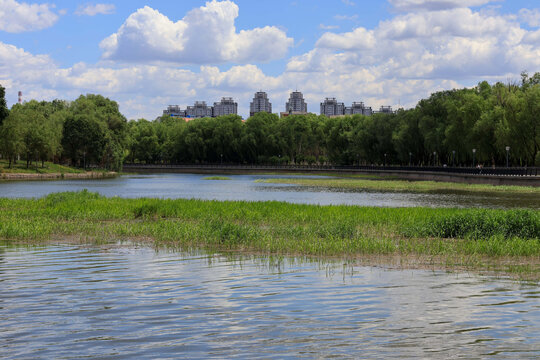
216,178
401,185
476,239
35,168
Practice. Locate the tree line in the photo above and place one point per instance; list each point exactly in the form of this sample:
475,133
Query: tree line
454,128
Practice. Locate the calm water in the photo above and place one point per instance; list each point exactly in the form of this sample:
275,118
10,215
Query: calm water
243,187
68,302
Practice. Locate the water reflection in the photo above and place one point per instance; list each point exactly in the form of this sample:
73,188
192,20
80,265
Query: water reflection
126,302
244,187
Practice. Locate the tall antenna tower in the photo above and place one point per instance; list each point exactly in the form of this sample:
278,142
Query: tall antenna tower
20,97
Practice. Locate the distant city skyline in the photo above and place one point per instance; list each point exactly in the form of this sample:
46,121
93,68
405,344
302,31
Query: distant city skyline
144,54
261,103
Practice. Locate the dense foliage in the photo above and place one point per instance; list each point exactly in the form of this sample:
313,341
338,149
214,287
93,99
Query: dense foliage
443,129
88,131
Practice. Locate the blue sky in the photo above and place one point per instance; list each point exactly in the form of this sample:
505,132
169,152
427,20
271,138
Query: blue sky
148,54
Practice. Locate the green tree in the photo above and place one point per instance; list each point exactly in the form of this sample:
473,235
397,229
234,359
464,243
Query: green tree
40,131
83,140
518,123
102,118
147,149
260,143
407,138
344,139
11,144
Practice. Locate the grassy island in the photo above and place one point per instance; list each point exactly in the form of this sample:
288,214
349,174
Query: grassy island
484,240
358,183
217,178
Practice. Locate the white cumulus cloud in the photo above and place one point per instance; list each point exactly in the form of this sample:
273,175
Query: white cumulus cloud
205,35
16,17
432,45
95,9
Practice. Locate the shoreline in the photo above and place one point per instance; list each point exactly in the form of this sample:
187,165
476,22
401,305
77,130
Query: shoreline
526,268
57,176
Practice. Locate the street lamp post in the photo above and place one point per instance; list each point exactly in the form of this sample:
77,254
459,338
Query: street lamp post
453,158
384,160
434,158
410,158
221,159
507,156
473,157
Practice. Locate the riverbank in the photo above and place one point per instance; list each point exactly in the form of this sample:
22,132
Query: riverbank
352,183
45,168
56,176
502,241
48,171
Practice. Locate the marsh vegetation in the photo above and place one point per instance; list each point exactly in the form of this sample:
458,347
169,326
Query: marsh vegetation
502,240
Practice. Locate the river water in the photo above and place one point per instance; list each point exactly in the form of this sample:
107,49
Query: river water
244,187
135,302
118,302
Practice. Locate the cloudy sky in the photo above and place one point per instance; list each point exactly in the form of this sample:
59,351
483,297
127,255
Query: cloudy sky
149,54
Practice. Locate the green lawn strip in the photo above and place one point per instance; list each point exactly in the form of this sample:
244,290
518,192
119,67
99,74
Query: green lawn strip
464,237
36,168
401,185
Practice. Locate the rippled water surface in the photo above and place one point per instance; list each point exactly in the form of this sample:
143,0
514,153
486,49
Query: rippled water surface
67,302
244,187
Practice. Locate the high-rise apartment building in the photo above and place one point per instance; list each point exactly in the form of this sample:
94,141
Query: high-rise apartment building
296,103
331,107
199,110
385,110
358,108
260,104
226,106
